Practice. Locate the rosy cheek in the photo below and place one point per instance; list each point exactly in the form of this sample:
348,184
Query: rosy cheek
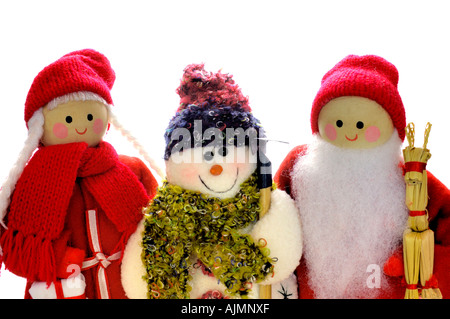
190,172
235,166
330,132
372,134
98,126
60,130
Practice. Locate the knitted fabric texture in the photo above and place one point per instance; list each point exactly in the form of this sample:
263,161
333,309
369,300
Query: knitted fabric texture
210,116
83,70
198,86
215,101
181,223
367,76
42,195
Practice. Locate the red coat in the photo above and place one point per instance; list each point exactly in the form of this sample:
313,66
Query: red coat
39,244
439,217
75,226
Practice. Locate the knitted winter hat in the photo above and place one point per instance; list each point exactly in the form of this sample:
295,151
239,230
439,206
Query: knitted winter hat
80,75
79,71
213,99
367,76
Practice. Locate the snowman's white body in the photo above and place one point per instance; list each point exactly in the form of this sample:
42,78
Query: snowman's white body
280,227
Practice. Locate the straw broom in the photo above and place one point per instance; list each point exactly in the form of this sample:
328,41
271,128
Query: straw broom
418,239
265,291
265,189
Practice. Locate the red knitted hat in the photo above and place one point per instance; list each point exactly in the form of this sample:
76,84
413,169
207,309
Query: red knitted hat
84,70
199,86
367,76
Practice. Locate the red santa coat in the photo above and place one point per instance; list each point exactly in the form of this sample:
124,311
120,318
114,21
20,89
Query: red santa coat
39,243
439,222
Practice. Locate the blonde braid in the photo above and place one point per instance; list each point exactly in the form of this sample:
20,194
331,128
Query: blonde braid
136,144
35,132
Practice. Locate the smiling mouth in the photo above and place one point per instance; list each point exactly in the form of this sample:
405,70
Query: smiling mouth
234,183
352,139
81,133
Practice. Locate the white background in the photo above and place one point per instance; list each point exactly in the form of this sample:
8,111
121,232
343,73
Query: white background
277,51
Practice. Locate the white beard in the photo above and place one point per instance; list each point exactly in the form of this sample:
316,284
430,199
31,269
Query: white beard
353,212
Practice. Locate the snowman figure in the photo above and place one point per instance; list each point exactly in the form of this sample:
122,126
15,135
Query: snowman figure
202,235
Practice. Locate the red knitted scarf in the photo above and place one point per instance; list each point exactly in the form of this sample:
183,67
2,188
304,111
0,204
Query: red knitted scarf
42,195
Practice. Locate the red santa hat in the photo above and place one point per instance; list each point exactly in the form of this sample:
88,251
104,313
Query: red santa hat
367,76
79,71
80,75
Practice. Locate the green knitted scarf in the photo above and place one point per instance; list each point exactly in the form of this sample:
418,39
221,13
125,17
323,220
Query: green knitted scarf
180,224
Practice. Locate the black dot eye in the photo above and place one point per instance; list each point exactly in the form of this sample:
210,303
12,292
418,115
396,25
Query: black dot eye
208,156
339,123
360,125
90,117
223,151
69,119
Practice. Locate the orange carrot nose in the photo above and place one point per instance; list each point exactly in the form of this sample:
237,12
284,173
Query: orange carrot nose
216,170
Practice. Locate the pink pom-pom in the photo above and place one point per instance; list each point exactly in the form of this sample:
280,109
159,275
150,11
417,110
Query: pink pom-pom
198,86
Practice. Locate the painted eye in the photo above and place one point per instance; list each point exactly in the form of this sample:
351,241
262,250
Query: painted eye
339,123
69,119
223,151
208,156
90,117
360,125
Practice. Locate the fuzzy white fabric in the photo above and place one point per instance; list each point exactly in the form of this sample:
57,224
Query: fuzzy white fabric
281,228
132,268
353,212
286,289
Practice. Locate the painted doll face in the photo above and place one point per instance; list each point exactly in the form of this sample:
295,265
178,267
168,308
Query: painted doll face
214,170
75,121
355,122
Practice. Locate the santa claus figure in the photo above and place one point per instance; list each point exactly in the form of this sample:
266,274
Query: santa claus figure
349,187
70,202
